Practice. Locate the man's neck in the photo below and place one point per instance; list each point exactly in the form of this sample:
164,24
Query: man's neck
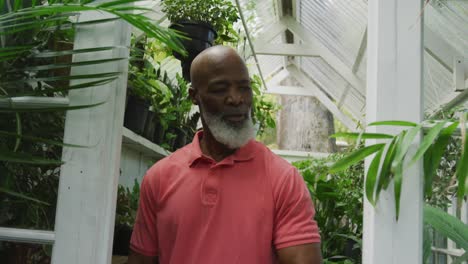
212,148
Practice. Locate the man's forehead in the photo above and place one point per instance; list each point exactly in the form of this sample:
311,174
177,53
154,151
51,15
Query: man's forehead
223,80
218,60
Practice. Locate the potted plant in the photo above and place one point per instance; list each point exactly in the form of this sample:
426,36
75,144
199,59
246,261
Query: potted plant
125,215
173,107
338,205
203,22
138,102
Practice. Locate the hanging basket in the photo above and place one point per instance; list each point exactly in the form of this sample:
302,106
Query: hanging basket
202,36
136,114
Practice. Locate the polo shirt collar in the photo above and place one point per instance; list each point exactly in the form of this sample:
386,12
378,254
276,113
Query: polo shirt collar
244,153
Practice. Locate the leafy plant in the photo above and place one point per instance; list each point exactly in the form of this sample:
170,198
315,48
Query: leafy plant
440,171
220,14
264,110
447,225
338,205
388,166
28,192
127,205
35,52
169,99
125,215
36,47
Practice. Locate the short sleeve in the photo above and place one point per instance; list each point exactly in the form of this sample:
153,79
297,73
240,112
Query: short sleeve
294,212
145,236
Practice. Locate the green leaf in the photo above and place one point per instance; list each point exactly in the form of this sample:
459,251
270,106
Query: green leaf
398,180
96,21
48,54
47,109
403,146
393,123
462,173
18,157
447,225
118,2
66,77
18,130
434,155
71,87
355,157
429,168
371,177
22,196
354,135
67,65
385,173
428,140
34,23
38,139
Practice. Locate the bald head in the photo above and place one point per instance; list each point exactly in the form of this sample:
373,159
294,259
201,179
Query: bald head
210,60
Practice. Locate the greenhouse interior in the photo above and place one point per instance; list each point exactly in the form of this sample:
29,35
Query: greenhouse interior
365,101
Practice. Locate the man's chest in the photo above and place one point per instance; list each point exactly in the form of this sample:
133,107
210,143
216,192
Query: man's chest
216,202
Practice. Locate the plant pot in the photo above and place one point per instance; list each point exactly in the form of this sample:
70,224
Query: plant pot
201,35
136,114
122,236
158,136
352,250
150,126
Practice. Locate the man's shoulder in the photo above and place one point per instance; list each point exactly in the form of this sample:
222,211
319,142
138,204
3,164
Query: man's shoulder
276,164
177,158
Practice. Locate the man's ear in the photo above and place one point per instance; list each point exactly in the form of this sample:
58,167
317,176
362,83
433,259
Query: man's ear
193,95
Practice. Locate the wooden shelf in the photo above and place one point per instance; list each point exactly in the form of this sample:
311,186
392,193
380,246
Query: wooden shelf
136,142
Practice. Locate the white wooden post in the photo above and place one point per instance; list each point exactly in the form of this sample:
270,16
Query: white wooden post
89,178
394,92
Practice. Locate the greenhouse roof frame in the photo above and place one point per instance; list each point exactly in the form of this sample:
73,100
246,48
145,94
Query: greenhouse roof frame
352,73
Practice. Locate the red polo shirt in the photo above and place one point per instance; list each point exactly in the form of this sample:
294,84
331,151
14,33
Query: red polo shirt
195,210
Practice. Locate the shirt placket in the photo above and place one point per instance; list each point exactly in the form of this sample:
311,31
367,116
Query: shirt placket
210,189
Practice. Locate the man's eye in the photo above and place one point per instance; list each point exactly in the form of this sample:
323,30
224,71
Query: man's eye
218,90
245,88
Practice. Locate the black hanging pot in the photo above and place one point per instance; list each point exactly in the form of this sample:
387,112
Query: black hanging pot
136,114
150,125
202,36
122,236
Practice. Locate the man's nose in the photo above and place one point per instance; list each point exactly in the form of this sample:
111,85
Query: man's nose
234,97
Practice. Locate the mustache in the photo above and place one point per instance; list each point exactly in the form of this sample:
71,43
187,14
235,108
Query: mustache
235,111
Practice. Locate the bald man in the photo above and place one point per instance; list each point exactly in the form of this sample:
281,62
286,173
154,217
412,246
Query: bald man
225,198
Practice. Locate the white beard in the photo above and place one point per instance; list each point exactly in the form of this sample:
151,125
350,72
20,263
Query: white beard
233,137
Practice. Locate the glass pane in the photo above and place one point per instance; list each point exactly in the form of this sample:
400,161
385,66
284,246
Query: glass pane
14,253
29,191
442,258
445,31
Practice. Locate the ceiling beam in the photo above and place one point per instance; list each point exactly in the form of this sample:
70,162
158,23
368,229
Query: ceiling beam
341,68
450,102
277,77
307,82
270,33
441,50
290,90
252,47
317,93
362,50
287,50
311,90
